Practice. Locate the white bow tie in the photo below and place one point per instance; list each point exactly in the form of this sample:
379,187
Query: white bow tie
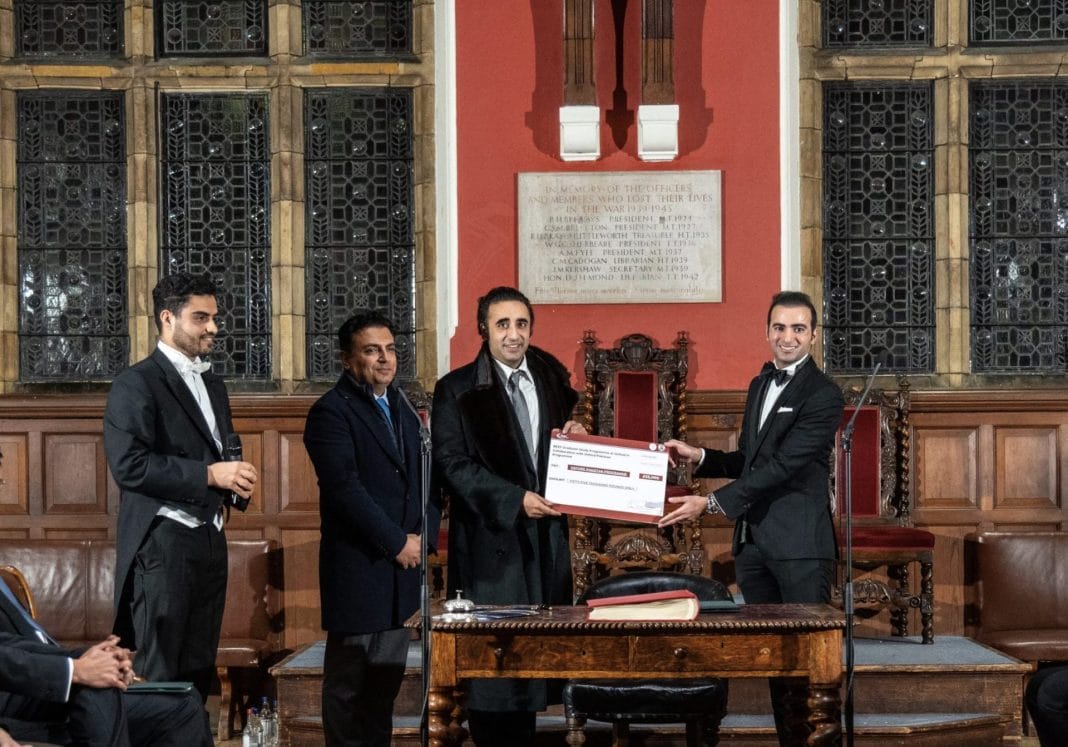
187,367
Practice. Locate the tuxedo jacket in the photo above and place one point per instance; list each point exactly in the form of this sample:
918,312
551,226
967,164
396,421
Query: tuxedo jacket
158,447
29,667
370,500
781,491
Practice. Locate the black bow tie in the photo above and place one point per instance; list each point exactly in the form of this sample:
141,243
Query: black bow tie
779,375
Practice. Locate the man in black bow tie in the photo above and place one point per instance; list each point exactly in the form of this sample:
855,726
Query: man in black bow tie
166,420
784,546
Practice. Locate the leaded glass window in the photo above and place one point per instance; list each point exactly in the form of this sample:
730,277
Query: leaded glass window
360,28
215,197
1020,22
1019,225
62,28
878,230
359,242
216,28
71,235
876,23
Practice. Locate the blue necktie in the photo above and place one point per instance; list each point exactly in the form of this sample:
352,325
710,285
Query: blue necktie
45,638
383,405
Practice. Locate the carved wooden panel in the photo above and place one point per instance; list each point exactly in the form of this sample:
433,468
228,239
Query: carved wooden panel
1026,467
14,498
75,474
946,473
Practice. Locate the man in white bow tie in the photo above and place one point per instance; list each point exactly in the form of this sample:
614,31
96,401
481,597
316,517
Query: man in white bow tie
165,424
784,546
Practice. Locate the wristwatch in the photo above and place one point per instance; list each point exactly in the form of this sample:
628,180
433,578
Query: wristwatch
713,505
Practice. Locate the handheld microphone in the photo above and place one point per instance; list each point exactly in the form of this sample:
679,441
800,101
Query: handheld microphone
232,453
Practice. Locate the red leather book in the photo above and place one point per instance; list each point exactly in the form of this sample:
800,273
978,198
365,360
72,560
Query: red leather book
678,604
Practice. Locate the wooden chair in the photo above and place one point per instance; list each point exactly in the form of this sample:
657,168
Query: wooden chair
635,391
883,535
15,581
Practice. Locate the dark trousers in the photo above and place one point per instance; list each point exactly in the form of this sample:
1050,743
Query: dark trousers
1047,702
502,728
361,678
766,581
110,718
179,591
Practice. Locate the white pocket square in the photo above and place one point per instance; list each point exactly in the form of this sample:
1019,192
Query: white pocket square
785,409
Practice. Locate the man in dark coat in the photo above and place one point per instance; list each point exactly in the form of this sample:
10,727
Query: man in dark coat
49,693
166,420
507,544
363,438
784,545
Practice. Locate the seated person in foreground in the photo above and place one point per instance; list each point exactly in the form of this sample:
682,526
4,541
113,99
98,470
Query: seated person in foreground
49,693
1047,702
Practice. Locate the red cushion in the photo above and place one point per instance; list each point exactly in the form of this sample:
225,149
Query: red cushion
868,537
636,405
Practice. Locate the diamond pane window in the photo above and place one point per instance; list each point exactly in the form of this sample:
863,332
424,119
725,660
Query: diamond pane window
1019,226
878,231
62,28
72,235
359,242
216,28
995,22
360,28
876,23
215,197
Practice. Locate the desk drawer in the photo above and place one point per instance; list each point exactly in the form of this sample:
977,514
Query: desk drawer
534,656
734,653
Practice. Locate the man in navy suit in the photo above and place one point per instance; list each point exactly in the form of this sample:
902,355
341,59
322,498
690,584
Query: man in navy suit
784,545
48,693
166,420
363,438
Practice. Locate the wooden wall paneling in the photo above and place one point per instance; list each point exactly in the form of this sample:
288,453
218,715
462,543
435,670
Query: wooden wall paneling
945,469
300,596
252,451
1025,465
75,473
300,490
14,468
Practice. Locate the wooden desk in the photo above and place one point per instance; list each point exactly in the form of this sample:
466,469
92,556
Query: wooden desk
757,641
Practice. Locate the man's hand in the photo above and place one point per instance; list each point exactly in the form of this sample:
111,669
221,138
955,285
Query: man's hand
536,507
104,665
408,557
7,741
680,451
573,426
238,477
691,507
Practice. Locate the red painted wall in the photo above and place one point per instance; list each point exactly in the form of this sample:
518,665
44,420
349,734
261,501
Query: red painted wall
509,90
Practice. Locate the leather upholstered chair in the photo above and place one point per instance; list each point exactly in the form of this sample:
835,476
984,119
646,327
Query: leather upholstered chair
15,581
883,535
636,391
247,634
699,703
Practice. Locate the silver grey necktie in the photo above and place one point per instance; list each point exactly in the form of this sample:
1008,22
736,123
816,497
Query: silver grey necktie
522,413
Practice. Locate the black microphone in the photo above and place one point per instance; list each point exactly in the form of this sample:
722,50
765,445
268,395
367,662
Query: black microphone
232,453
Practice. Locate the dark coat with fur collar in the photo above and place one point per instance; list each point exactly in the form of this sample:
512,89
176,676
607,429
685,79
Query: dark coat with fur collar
497,555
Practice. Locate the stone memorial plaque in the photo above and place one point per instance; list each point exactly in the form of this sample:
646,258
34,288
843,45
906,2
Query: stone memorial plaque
620,237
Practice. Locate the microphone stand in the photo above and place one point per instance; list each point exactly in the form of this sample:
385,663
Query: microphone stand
424,586
847,580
